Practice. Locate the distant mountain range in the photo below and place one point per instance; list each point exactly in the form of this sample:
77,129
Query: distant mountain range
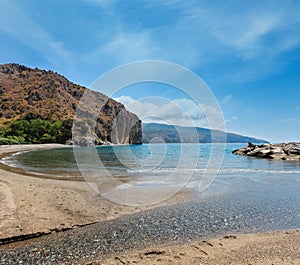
155,133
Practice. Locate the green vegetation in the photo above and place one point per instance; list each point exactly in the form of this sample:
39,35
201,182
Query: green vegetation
8,141
36,131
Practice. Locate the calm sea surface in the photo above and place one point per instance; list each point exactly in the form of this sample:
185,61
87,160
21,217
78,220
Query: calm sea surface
144,162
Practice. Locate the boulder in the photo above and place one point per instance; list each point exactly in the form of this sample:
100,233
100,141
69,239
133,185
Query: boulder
282,151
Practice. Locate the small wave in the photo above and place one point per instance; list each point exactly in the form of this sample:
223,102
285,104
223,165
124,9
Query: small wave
202,170
11,161
247,170
153,170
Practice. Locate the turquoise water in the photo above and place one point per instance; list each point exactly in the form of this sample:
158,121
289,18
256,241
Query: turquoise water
147,164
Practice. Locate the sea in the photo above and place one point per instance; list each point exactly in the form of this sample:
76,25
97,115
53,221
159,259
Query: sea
266,192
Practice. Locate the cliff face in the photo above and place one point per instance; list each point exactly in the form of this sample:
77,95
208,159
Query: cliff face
50,96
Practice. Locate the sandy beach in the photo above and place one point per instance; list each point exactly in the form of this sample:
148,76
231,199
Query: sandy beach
281,247
32,205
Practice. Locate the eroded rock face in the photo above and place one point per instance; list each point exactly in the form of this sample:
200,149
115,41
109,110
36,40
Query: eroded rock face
283,151
100,120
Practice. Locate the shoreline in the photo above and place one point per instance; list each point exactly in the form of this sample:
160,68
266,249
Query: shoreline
41,204
10,151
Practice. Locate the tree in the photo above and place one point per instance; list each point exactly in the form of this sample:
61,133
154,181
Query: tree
38,131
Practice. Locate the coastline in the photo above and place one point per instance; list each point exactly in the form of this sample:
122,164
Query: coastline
36,204
41,204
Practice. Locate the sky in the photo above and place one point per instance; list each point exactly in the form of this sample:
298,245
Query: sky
247,53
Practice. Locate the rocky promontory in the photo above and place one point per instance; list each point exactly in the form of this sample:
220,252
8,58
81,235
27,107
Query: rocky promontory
39,106
283,151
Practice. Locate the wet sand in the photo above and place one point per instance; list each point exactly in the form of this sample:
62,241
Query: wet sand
31,204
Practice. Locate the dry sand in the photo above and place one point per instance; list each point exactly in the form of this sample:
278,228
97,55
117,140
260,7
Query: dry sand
277,248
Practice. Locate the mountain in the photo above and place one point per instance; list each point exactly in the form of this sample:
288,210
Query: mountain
156,132
46,100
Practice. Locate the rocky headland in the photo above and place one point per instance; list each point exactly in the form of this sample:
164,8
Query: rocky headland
39,106
282,151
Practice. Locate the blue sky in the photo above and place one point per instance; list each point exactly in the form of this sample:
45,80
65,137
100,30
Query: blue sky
247,52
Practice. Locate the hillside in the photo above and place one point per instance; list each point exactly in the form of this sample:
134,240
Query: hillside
33,96
171,134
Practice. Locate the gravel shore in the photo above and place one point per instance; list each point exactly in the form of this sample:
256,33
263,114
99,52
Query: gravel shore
177,224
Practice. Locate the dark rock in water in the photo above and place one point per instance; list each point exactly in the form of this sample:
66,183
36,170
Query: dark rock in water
283,151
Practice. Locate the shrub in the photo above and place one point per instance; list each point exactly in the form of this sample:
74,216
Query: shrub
37,131
6,141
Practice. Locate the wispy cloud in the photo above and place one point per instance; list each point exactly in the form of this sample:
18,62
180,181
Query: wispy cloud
256,34
102,3
297,107
242,26
226,100
203,36
124,47
293,121
15,22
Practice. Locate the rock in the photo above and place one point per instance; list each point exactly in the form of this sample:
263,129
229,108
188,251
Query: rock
277,151
257,152
278,157
251,145
282,151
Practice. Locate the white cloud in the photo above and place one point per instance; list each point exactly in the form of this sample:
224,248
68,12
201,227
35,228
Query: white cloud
128,46
198,35
257,34
241,26
226,100
102,3
292,121
183,111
